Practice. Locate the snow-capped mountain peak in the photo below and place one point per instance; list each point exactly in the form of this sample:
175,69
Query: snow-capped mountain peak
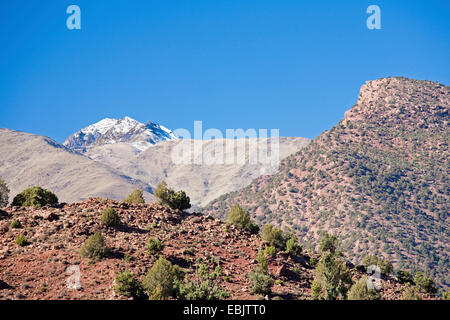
125,130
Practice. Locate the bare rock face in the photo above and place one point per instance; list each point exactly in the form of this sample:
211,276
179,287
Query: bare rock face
378,179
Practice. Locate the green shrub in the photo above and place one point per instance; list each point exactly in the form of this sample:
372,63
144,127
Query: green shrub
292,246
384,265
154,246
316,290
35,197
180,201
273,236
94,248
262,283
168,197
241,219
128,285
410,293
15,224
446,295
137,196
4,194
110,217
263,264
270,251
333,276
159,282
21,240
205,288
360,291
424,283
404,277
328,243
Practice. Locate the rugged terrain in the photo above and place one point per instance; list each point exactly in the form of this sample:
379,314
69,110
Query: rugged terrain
379,180
40,270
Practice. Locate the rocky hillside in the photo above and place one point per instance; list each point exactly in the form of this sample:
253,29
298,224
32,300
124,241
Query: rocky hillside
379,180
41,268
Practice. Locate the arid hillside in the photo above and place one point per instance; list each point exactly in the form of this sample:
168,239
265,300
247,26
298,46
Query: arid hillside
379,180
42,266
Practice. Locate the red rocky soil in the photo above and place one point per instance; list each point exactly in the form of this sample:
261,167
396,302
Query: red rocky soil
56,234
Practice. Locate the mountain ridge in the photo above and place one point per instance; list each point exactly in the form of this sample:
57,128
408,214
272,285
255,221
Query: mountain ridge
378,179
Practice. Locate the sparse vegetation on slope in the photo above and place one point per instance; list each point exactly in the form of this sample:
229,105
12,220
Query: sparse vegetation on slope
378,179
4,194
35,197
202,257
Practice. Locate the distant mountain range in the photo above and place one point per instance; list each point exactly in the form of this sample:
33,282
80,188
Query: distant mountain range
110,131
379,180
113,156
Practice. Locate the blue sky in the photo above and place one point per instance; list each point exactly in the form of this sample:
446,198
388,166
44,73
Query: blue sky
292,65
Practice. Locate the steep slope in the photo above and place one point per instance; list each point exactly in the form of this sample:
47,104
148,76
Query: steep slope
27,160
109,131
379,179
43,268
203,182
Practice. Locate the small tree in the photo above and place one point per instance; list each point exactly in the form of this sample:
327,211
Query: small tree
128,285
360,291
94,248
168,197
333,276
4,194
35,197
424,283
292,246
273,236
262,281
162,192
328,243
160,279
137,196
405,277
154,246
410,293
384,265
241,219
110,217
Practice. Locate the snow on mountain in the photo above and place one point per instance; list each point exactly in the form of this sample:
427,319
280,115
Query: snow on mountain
127,130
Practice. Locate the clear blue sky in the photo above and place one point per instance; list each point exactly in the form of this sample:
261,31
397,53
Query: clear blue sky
292,65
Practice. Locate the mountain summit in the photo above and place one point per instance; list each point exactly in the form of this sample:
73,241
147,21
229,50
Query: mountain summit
127,130
378,179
